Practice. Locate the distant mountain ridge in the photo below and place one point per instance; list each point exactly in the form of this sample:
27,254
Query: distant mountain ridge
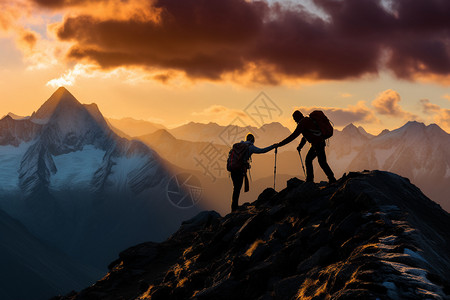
265,135
403,150
416,151
133,127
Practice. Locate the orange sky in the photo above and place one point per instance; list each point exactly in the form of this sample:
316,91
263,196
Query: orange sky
173,61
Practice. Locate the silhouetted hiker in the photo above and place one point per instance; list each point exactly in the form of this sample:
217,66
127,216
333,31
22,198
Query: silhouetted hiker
238,163
311,133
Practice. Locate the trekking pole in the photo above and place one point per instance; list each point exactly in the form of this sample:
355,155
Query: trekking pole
275,168
303,167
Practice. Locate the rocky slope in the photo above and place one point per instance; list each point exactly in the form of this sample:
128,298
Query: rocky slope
372,235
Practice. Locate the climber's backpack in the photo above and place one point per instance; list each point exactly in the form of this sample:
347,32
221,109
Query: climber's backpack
238,157
322,123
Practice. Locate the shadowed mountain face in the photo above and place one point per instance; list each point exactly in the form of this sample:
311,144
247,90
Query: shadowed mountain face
31,269
132,127
77,186
372,235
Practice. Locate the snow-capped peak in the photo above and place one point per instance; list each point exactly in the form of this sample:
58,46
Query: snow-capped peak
412,125
353,132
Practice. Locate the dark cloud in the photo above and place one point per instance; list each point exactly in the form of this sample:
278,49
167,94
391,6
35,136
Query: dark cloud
209,38
64,3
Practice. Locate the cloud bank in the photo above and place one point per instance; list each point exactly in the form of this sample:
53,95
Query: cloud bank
440,115
210,39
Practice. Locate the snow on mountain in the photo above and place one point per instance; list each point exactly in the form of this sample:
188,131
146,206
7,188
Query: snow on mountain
418,152
78,186
10,159
344,147
13,132
74,169
15,117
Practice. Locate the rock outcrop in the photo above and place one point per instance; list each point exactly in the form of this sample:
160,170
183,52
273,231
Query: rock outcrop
372,235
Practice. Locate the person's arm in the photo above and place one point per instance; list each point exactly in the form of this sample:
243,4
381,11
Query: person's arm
290,138
253,149
302,143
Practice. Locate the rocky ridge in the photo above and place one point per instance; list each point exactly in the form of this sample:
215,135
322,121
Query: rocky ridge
372,235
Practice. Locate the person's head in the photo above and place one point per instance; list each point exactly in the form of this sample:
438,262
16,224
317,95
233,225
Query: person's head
250,138
297,115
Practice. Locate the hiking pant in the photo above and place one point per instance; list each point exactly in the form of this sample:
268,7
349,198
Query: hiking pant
238,180
317,150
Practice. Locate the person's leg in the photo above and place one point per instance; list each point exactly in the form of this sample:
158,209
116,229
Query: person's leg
309,164
322,158
238,179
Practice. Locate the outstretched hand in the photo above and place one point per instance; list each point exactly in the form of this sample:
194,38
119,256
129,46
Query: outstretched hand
299,147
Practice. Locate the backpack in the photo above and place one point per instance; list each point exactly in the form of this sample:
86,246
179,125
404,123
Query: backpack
322,122
238,158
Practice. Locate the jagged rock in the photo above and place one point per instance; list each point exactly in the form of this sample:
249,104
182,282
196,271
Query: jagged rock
373,235
202,219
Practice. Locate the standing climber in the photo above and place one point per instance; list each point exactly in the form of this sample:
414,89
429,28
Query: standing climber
311,130
238,163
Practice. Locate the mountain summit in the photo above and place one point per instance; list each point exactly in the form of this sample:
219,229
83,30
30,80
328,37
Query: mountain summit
61,97
372,235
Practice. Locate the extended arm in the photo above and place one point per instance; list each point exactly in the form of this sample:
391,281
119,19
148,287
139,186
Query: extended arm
254,149
290,138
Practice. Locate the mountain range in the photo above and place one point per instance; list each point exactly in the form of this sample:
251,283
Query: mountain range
78,187
131,127
417,151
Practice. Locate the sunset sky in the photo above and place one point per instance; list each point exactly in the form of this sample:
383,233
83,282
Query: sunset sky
376,63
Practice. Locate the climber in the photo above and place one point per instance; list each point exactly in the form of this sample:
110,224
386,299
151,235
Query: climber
311,133
238,163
